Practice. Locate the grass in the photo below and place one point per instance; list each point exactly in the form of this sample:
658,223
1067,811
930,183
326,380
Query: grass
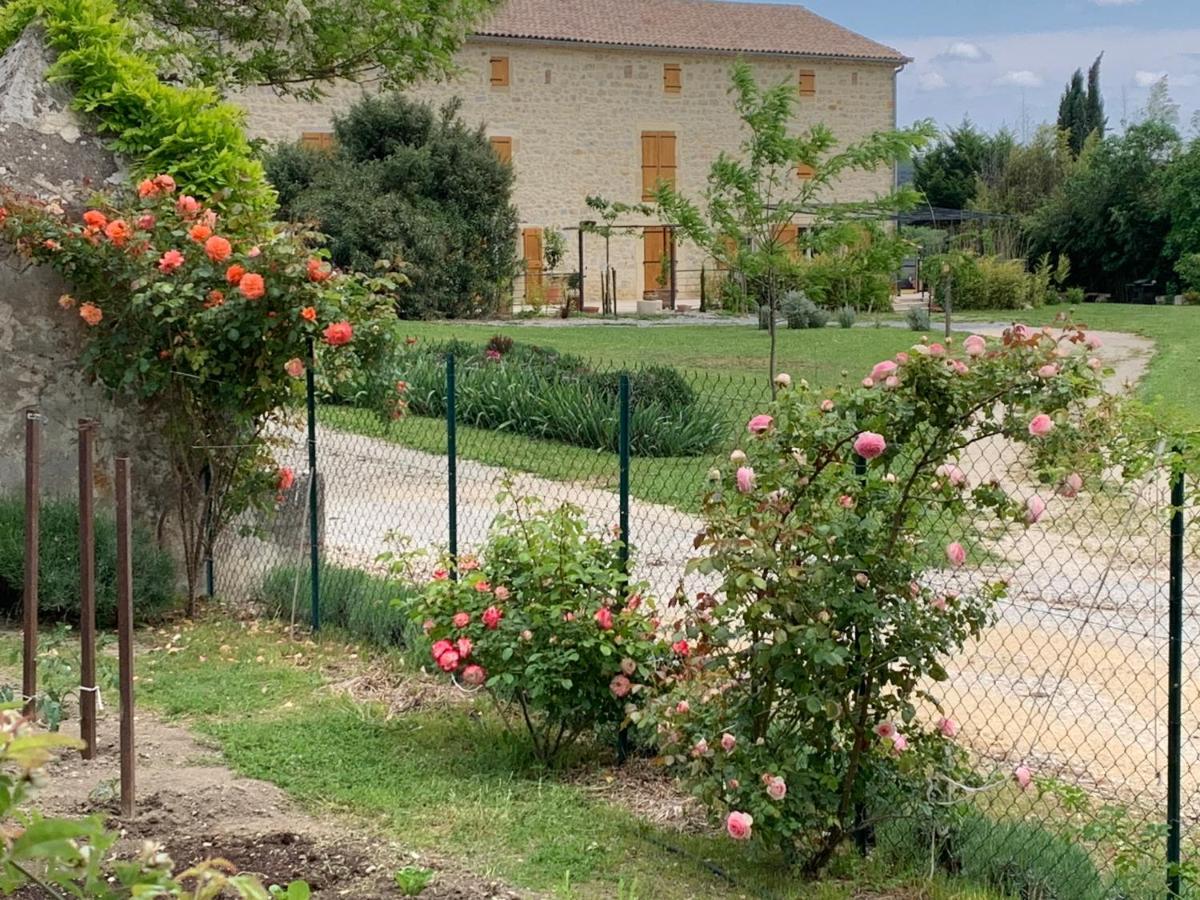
450,780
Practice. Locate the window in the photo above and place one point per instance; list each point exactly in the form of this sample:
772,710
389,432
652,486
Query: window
804,171
502,147
673,78
499,65
808,83
658,161
317,140
787,237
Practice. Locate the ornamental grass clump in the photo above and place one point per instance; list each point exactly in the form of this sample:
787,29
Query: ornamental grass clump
808,705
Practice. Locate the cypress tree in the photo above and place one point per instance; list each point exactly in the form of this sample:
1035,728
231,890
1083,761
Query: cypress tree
1095,101
1072,112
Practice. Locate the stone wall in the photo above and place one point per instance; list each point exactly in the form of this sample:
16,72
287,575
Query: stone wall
576,114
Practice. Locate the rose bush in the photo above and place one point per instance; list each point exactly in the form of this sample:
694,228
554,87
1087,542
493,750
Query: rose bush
546,622
206,323
807,705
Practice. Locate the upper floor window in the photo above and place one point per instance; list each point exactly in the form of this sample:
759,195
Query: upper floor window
499,68
317,140
673,78
502,147
804,171
807,83
658,161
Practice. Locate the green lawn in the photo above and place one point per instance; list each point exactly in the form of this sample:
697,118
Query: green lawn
450,781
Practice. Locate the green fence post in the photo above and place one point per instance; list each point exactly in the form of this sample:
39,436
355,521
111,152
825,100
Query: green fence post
623,454
209,565
1175,688
314,549
452,463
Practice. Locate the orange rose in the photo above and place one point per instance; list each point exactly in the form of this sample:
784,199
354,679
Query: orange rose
187,206
308,314
217,248
93,218
199,233
252,286
234,274
91,313
318,271
118,231
164,183
339,333
215,298
66,301
147,188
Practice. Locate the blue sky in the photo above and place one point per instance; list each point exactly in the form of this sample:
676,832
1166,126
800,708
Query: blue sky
1005,62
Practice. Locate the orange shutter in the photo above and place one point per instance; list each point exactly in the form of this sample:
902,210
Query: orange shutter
786,237
658,161
502,147
499,66
805,171
531,246
808,83
317,140
673,78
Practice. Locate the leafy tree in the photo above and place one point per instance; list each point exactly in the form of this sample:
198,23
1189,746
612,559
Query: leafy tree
1081,110
1109,216
1159,105
948,174
1030,173
1181,194
408,183
299,47
750,199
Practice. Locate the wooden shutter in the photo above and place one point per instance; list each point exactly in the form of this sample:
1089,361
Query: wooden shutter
317,140
805,171
658,161
531,249
673,78
499,66
502,147
787,236
808,83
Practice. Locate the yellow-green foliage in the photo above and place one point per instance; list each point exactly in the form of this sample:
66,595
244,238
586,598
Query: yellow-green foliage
185,132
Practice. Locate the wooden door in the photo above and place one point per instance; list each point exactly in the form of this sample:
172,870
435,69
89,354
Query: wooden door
658,161
657,246
531,248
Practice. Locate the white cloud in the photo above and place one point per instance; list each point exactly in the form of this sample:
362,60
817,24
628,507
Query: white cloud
1145,79
1115,2
1020,78
931,81
963,51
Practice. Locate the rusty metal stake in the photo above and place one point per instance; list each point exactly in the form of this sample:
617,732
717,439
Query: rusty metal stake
87,588
125,632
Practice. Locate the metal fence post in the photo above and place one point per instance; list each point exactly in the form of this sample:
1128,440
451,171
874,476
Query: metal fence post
1175,688
125,632
949,299
452,463
87,588
314,549
623,455
33,504
581,296
210,581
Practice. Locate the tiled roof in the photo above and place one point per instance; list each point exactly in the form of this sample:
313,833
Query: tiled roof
711,25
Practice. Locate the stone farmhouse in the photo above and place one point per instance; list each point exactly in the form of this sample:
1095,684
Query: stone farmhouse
608,97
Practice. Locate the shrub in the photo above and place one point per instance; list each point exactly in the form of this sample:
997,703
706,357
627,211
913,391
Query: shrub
154,576
1188,269
1191,298
351,599
406,182
917,318
846,316
540,393
1074,295
547,623
824,631
800,312
1022,859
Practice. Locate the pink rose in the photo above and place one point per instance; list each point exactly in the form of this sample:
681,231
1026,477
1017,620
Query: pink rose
899,744
728,742
604,618
902,357
956,554
846,501
474,675
826,406
428,625
1071,486
1035,506
870,445
948,727
937,350
738,825
634,601
1023,777
440,647
1041,425
681,647
938,602
885,729
501,593
1094,342
975,345
461,620
620,686
883,369
294,367
1094,364
701,748
745,479
527,635
448,661
868,382
482,587
776,788
892,382
628,666
170,261
440,574
959,367
464,647
492,617
682,708
953,474
1047,371
760,424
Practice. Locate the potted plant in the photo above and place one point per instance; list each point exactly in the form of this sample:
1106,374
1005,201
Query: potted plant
554,249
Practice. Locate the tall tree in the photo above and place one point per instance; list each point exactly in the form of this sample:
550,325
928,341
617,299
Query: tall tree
1096,122
947,175
1073,112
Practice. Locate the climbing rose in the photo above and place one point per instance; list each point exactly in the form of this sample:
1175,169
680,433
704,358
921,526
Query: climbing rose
952,473
745,479
885,729
93,218
604,618
318,271
738,825
1035,506
1071,486
215,298
783,380
287,477
170,261
147,188
91,313
776,788
200,233
620,686
461,619
146,221
218,249
440,647
1023,777
464,647
760,424
956,554
294,367
339,333
308,314
492,617
948,727
975,345
883,369
1041,425
938,603
448,661
474,675
118,231
235,273
728,742
870,445
165,183
252,286
187,206
899,744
